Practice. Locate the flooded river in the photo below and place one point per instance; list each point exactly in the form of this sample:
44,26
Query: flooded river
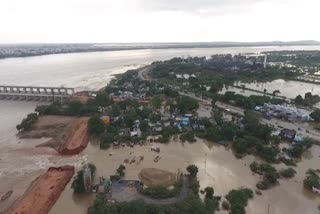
94,70
21,162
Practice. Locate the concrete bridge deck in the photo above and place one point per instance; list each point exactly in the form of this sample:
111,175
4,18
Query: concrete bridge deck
35,93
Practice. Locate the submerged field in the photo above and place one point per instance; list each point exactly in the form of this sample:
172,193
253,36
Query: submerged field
217,167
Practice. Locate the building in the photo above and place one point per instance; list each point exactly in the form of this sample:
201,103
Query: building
87,178
287,134
287,112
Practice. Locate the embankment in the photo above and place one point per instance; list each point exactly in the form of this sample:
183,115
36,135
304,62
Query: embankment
77,139
67,135
43,192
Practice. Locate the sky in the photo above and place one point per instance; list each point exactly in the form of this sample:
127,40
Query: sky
110,21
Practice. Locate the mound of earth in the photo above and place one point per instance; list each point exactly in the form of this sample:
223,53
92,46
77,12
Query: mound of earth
43,192
157,177
68,135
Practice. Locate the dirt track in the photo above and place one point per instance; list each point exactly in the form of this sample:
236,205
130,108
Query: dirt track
43,192
68,135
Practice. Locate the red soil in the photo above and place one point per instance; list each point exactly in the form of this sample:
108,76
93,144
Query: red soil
68,135
78,138
43,192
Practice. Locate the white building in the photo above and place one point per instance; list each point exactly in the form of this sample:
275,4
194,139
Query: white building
292,113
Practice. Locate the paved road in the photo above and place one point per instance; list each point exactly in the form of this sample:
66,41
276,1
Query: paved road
277,123
143,72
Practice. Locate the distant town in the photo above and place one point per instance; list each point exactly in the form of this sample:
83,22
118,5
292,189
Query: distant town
24,50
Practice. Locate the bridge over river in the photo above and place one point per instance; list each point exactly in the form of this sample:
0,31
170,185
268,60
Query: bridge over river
33,93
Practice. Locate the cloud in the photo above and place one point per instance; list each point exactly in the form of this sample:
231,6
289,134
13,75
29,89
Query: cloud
197,6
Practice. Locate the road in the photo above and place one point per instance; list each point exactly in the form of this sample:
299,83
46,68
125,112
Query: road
143,72
299,127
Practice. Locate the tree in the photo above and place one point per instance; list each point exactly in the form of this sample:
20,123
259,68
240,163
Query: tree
296,151
275,139
102,99
106,140
308,96
193,170
264,91
27,123
78,183
209,192
275,92
144,125
299,100
96,126
186,104
229,131
156,102
288,173
218,117
120,170
188,136
214,134
312,179
74,108
214,99
315,115
238,200
216,86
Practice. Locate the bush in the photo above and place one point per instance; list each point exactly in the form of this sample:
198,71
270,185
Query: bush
189,136
288,173
288,162
254,166
106,140
193,170
238,200
296,151
120,170
225,205
312,179
96,126
209,192
27,123
78,183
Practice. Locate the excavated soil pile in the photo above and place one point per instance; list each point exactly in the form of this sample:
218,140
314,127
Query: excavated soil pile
157,177
69,135
43,192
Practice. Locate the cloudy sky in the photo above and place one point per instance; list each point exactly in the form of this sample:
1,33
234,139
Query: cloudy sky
158,20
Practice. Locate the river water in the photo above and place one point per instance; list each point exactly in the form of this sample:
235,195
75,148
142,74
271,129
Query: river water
21,162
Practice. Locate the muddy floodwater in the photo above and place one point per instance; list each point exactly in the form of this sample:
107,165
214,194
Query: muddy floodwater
21,162
217,167
289,89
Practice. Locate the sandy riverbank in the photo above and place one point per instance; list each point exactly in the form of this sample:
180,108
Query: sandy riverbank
43,192
68,135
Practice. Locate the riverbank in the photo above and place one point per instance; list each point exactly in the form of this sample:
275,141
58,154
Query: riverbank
43,192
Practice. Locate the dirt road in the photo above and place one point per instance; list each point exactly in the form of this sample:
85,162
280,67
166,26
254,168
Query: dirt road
43,192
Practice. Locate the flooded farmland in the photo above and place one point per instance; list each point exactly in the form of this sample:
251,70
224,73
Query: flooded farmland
217,167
